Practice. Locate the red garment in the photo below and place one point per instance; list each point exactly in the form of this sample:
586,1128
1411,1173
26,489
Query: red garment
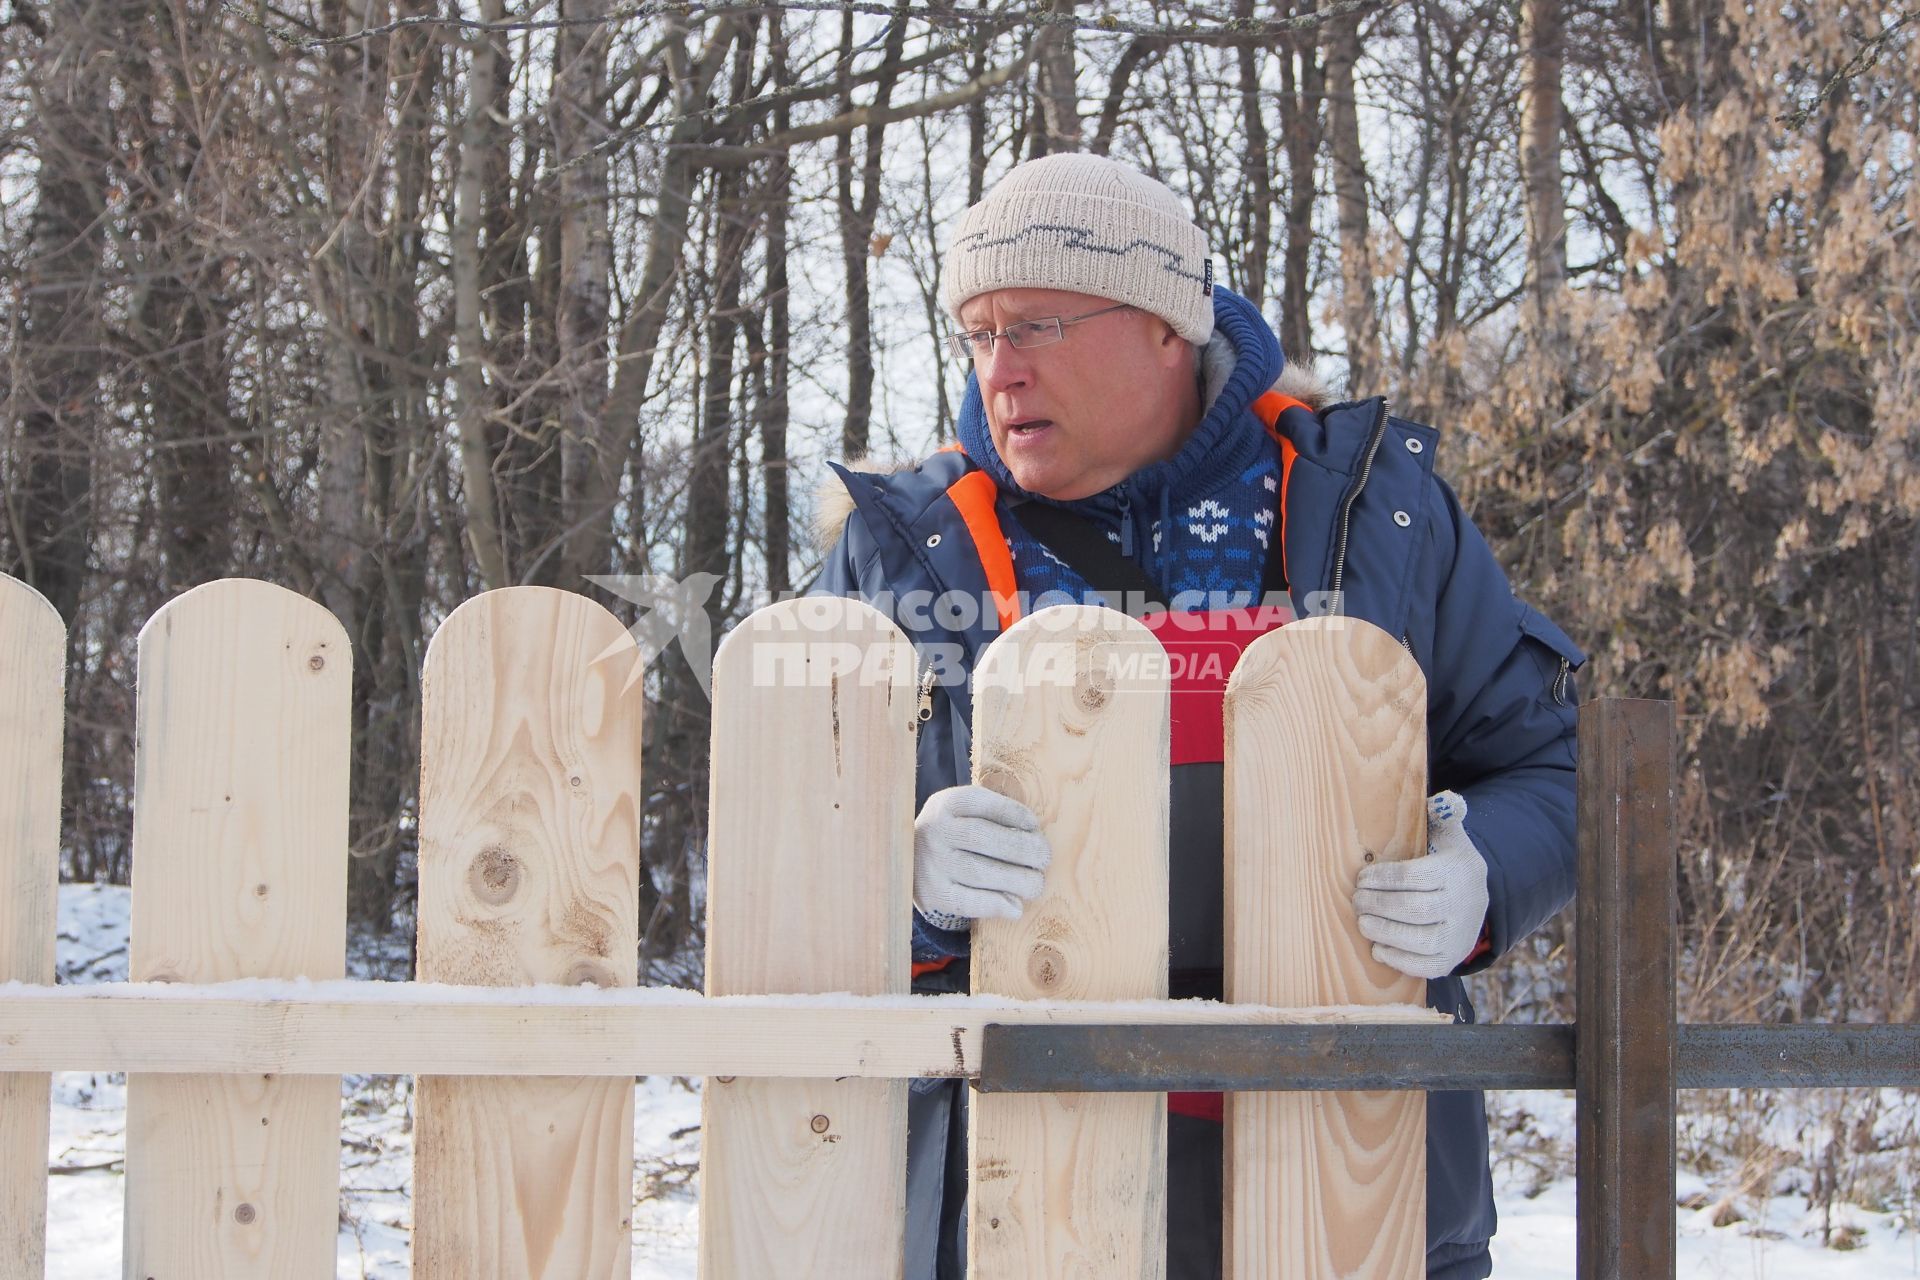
1202,650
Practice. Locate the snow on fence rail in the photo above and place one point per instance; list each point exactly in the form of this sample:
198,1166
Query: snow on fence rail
530,806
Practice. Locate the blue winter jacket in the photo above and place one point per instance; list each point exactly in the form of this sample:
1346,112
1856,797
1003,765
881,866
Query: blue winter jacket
1367,521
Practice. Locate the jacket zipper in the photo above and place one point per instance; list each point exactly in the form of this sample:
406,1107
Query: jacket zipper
1560,682
1353,494
1126,524
923,710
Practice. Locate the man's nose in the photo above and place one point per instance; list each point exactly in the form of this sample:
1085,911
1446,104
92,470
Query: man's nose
1004,367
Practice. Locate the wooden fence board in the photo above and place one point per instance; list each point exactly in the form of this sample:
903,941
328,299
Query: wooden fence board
373,1027
33,646
1071,718
812,802
530,804
1326,770
239,871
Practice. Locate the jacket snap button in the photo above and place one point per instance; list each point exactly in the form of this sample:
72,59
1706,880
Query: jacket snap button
1414,446
1402,519
933,540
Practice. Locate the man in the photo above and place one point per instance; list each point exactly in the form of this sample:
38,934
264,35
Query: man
1128,420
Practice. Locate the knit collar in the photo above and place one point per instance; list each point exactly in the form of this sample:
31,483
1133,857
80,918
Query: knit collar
1220,448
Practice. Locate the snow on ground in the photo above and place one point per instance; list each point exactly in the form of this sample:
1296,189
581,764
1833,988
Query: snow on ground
1771,1237
1759,1237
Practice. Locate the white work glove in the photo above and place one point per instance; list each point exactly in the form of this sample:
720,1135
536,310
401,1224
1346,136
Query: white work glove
976,853
1424,915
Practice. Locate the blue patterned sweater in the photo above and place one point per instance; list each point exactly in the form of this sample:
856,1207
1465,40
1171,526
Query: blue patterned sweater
1201,521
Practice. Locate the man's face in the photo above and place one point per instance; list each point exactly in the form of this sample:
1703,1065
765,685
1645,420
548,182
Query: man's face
1071,418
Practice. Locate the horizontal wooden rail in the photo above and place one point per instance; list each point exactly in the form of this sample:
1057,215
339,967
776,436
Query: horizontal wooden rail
1058,1059
326,1028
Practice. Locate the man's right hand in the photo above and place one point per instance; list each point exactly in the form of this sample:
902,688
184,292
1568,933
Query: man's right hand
976,853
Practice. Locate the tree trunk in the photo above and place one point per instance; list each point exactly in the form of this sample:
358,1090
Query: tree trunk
55,404
977,126
483,142
389,753
1301,90
1258,197
1059,87
858,219
1422,194
775,356
593,446
937,325
54,413
667,233
1359,316
176,329
518,303
1544,39
1140,51
376,432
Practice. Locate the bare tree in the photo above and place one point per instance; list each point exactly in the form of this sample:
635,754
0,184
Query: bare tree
858,219
1257,190
53,385
1358,305
1543,35
1057,86
593,445
773,354
1302,91
690,75
483,162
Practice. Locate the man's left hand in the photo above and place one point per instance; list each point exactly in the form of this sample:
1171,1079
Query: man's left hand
1424,915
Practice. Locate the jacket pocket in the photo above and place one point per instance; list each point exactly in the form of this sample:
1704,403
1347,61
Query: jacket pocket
1567,655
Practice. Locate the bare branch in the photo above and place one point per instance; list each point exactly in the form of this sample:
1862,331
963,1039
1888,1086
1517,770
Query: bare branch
1859,64
869,116
1207,26
730,116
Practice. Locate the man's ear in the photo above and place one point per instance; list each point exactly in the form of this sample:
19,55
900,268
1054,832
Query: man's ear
1173,348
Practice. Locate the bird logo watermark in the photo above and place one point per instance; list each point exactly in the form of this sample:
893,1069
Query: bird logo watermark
670,609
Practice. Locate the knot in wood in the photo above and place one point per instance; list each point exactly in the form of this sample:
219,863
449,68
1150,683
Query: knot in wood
1007,774
1092,693
1047,967
317,662
494,876
244,1214
821,1124
1094,673
587,971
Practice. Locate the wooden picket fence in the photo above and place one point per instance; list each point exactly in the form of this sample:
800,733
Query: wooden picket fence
531,799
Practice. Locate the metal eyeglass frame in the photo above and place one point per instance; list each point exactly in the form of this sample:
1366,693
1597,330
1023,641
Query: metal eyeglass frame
1022,334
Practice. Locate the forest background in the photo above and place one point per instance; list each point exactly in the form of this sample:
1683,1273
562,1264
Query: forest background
391,304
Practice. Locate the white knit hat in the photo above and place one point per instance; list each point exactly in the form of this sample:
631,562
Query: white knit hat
1090,225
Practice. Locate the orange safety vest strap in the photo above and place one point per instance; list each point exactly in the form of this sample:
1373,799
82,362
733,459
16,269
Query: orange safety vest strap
973,494
931,966
1269,407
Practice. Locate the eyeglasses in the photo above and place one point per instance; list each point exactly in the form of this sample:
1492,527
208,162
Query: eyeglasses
1021,333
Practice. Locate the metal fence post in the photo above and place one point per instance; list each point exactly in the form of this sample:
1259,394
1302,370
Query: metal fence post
1624,953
